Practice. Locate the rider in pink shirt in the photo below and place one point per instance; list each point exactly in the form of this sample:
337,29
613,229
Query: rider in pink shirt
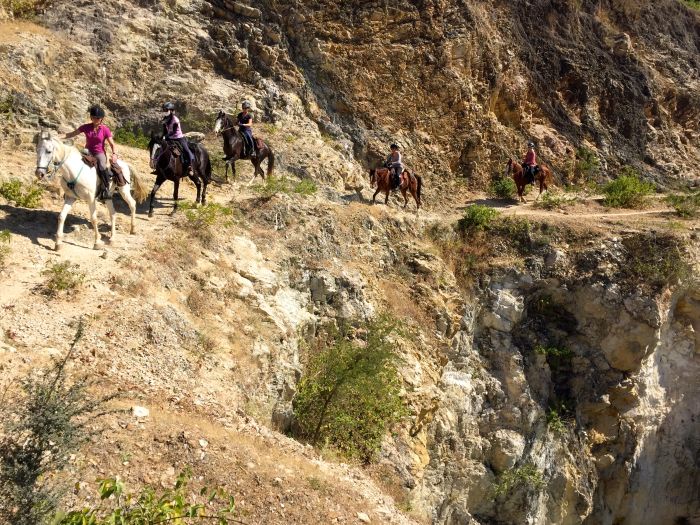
96,134
172,130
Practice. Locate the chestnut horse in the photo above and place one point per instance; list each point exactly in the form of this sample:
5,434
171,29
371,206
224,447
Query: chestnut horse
409,182
543,176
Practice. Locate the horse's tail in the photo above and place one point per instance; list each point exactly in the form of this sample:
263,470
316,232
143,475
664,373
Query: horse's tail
420,185
137,184
205,164
270,161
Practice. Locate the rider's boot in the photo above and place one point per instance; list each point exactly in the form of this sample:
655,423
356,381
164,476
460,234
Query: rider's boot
105,177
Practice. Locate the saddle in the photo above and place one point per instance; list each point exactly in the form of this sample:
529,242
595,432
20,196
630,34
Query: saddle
117,173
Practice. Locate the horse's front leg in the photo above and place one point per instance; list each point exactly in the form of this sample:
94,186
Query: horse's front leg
112,219
405,198
176,189
255,172
386,200
67,205
93,218
159,181
198,185
125,192
375,195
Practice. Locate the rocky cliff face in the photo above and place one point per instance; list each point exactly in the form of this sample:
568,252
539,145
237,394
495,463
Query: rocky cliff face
557,385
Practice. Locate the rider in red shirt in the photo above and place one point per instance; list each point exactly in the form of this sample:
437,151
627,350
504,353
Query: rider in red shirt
530,161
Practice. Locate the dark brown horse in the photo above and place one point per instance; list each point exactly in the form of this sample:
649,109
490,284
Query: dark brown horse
409,182
543,176
167,162
233,148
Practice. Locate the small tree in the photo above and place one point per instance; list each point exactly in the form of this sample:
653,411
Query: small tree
349,396
41,426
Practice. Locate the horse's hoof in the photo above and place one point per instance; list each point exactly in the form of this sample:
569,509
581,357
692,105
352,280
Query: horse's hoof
150,214
98,245
132,231
58,247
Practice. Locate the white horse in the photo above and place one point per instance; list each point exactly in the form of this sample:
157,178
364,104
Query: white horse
79,182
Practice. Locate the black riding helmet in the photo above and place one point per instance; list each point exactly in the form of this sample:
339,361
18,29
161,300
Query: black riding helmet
168,106
97,112
530,144
394,146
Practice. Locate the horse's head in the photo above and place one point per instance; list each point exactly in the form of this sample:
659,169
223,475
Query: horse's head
221,122
509,168
45,150
372,178
154,148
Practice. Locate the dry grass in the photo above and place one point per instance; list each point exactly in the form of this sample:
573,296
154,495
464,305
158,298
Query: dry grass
199,302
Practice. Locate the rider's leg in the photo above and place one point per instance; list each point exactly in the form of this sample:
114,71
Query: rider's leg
105,175
189,156
249,140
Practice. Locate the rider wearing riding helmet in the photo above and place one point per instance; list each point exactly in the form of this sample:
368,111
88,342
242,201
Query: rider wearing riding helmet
393,162
96,134
172,130
530,161
245,126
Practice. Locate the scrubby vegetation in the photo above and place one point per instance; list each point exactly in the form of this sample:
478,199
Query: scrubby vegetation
586,165
149,507
655,260
43,423
686,205
62,277
503,188
24,196
349,396
553,201
275,185
5,238
131,135
22,8
526,475
476,218
627,191
200,221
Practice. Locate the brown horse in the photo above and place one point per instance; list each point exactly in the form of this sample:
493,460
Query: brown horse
234,148
409,182
543,176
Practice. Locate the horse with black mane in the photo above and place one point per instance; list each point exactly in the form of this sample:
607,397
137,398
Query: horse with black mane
234,148
543,176
166,160
381,177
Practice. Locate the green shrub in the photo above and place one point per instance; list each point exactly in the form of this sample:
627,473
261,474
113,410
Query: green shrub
7,105
43,423
275,185
686,205
554,421
655,260
62,277
627,191
476,218
131,135
587,164
305,187
26,197
200,220
557,358
349,395
503,188
525,475
149,507
694,4
22,8
552,201
5,238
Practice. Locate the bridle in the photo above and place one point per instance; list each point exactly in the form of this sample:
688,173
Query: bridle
56,166
227,122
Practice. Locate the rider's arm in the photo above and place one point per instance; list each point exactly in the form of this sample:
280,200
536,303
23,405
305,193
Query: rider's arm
72,134
110,141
